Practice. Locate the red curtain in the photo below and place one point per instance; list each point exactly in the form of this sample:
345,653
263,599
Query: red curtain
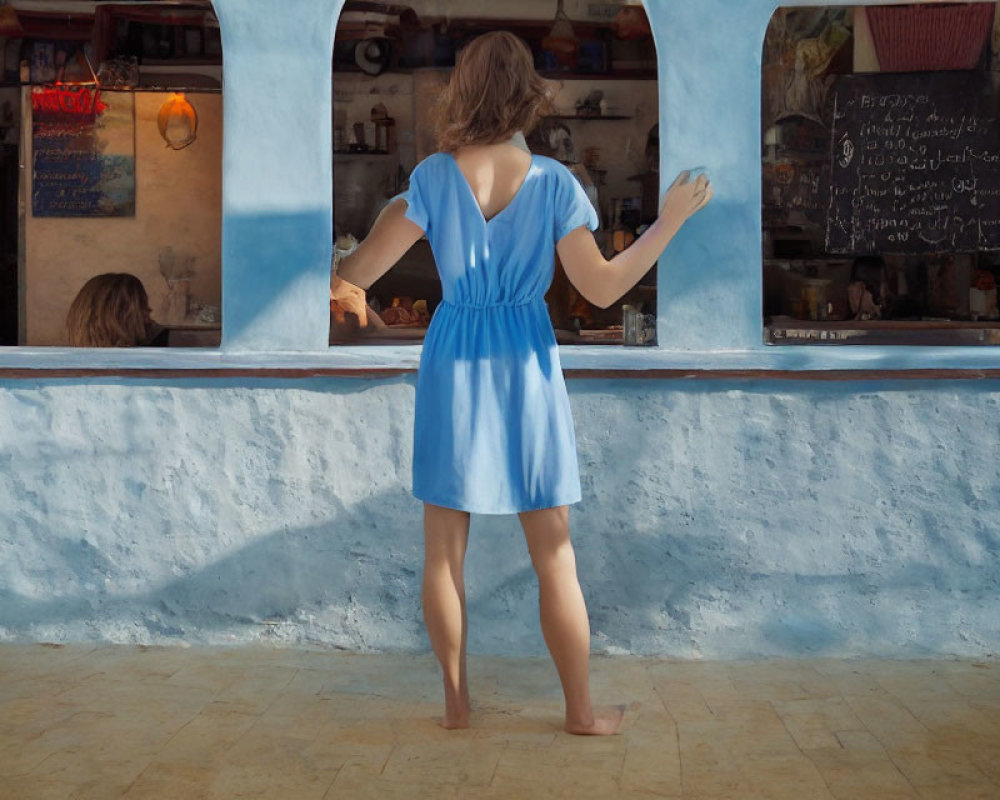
930,37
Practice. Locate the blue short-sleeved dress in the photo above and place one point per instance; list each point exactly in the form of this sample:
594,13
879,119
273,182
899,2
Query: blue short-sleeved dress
493,432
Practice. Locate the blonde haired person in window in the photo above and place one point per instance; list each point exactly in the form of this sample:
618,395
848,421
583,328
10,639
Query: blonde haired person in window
492,431
112,310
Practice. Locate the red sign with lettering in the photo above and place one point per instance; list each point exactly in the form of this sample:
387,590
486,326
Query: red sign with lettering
67,103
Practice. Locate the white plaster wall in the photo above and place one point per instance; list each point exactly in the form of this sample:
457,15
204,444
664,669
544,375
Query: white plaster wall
178,204
719,519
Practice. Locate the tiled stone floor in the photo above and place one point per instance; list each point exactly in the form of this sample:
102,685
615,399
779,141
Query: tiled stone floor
99,721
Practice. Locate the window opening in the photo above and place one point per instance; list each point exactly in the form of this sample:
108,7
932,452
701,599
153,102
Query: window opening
390,63
110,165
881,175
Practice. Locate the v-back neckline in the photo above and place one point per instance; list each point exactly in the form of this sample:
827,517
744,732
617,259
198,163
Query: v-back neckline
472,195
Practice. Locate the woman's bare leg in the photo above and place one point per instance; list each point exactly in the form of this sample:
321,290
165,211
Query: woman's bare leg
446,535
564,618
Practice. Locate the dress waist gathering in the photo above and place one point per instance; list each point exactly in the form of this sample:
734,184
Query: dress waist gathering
498,304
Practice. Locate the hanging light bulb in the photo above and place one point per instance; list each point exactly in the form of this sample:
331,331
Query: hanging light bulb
562,41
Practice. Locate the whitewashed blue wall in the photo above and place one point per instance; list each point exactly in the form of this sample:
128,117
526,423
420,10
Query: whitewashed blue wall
722,518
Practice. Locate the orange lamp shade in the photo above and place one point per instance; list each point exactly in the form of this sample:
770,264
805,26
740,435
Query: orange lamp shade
178,122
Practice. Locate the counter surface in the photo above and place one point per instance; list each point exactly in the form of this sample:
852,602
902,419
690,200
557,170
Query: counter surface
802,362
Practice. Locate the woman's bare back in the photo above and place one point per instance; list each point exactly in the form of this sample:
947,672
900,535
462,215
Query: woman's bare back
494,172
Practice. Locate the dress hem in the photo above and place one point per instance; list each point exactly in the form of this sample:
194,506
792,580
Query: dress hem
493,512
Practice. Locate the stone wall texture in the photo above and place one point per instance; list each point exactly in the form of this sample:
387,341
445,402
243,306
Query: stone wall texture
720,519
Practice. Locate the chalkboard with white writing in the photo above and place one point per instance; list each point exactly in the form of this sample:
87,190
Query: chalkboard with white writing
915,164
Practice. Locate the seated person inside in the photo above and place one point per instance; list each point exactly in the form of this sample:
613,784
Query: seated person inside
112,310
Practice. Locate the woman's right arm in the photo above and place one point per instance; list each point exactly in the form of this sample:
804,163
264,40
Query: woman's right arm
389,239
602,282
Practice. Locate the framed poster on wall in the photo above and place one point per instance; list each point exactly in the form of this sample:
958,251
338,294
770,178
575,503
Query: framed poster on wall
83,152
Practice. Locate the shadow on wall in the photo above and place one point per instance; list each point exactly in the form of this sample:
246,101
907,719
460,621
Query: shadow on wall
145,508
230,510
683,263
276,281
353,583
338,585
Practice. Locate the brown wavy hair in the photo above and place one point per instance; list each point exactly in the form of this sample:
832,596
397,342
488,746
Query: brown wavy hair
111,310
494,92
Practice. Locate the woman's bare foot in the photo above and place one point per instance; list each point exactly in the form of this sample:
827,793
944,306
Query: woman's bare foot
455,722
606,722
456,713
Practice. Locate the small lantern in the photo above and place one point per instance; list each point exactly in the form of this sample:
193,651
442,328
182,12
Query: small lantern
562,41
178,122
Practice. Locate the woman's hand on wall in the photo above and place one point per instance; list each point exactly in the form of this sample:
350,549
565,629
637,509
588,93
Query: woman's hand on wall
603,282
686,197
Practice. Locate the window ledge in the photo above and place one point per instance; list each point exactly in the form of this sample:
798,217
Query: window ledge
802,362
